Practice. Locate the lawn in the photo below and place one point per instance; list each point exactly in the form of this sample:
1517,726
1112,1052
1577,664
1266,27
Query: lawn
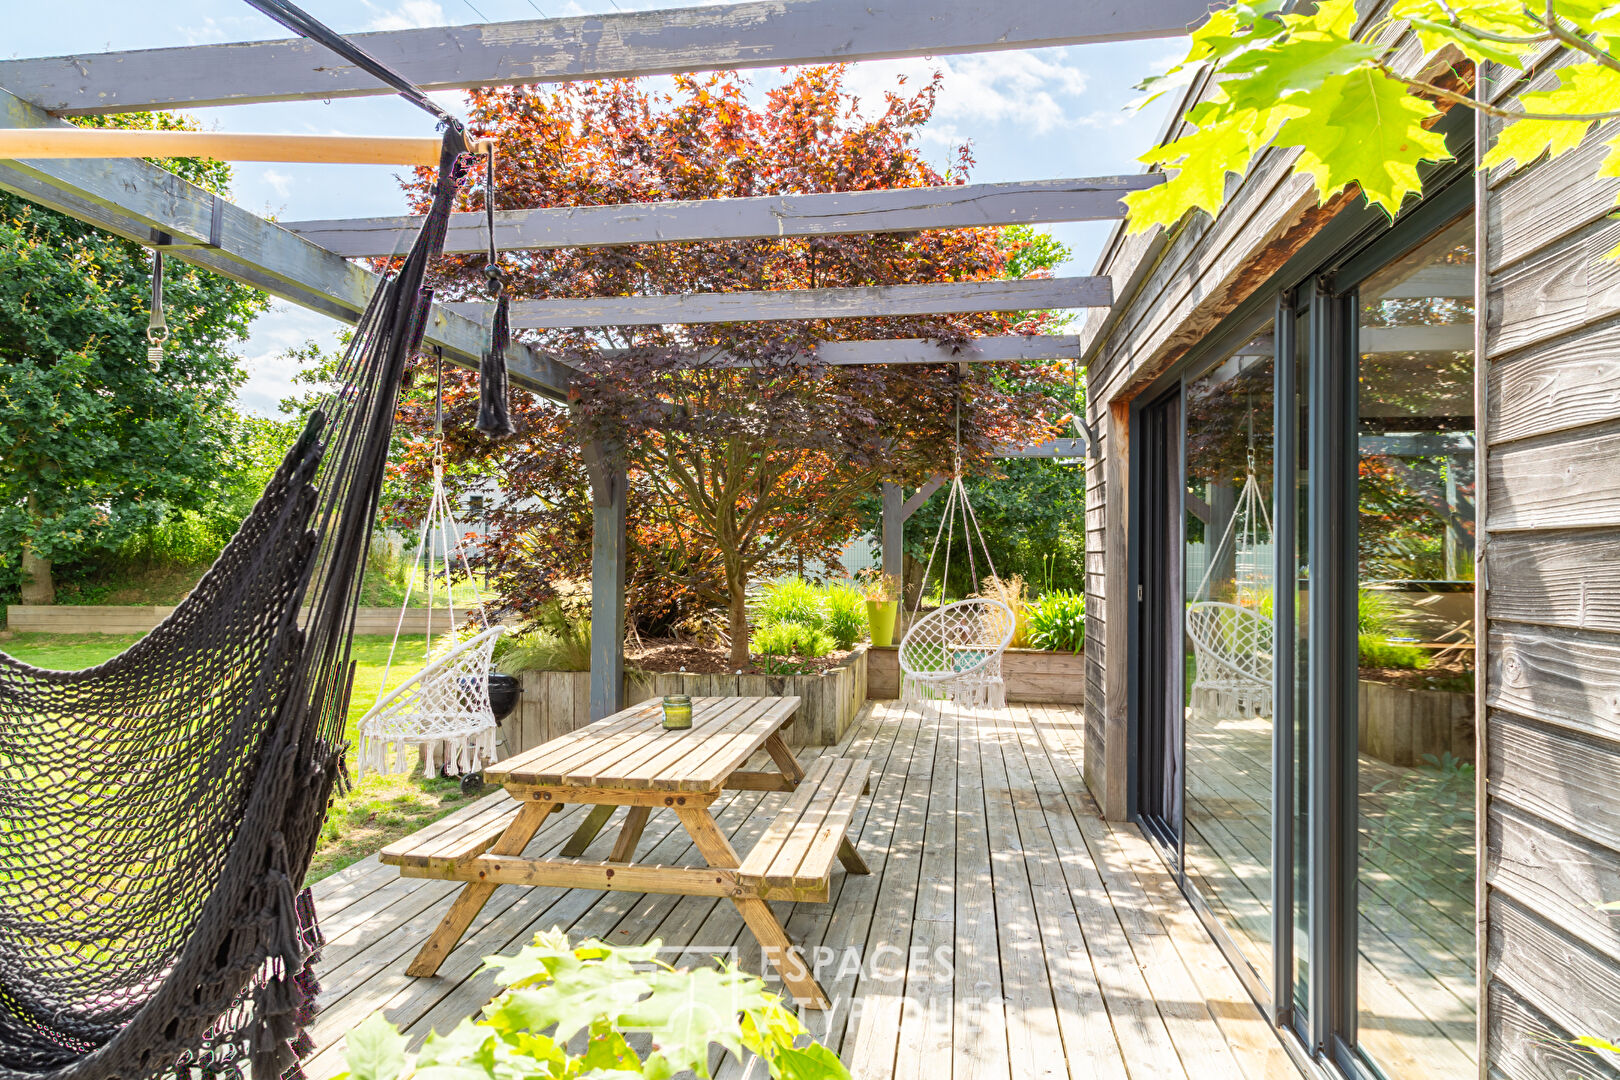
376,811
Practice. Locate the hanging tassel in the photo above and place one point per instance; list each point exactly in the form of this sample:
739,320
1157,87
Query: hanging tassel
493,418
157,331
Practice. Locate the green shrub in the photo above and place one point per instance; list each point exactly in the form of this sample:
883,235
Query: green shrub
555,992
785,638
1375,651
1057,622
1377,613
846,614
838,611
558,638
793,600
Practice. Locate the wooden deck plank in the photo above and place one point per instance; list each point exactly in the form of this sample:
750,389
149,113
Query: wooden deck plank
1089,1041
1034,1046
1006,930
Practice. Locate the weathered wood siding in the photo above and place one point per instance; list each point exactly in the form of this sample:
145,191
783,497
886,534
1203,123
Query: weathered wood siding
1552,604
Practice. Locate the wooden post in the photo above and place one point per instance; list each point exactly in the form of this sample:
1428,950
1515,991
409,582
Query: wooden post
893,528
605,464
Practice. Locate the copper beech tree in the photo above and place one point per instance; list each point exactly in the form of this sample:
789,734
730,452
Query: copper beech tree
744,458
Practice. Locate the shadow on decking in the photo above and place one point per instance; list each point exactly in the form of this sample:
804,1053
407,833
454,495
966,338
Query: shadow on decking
1006,929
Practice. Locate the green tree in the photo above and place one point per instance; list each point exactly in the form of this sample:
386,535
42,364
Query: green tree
1317,80
97,445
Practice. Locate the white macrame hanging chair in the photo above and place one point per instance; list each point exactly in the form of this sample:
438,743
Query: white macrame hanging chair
954,652
443,709
1233,643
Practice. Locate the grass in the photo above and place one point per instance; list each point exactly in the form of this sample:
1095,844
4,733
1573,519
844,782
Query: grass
375,812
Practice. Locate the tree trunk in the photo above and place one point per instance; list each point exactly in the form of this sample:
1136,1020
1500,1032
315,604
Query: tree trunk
737,589
37,585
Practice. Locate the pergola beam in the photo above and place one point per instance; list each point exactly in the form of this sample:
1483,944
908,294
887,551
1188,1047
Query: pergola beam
1005,348
764,217
764,33
878,301
141,202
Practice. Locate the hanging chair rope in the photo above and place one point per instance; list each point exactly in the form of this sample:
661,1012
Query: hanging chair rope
955,650
162,808
444,708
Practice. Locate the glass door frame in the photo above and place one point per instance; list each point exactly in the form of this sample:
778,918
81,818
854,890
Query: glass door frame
1331,1023
1319,284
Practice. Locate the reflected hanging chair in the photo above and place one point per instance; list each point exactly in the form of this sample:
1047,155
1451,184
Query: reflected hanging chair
954,653
1233,643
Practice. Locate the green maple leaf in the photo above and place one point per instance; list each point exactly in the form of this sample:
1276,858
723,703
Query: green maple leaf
1523,141
1371,136
607,1052
690,1010
1431,21
814,1062
468,1046
374,1050
1582,88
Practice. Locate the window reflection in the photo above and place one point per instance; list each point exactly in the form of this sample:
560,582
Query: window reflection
1227,585
1415,982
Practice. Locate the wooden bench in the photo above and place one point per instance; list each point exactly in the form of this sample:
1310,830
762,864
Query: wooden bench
455,838
793,860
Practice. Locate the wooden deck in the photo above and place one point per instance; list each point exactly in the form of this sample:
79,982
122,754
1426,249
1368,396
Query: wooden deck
1006,929
1417,999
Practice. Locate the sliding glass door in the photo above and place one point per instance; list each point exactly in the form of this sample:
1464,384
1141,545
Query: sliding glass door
1416,1005
1304,693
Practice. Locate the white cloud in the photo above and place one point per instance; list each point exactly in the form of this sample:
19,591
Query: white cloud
1033,90
269,371
279,182
408,15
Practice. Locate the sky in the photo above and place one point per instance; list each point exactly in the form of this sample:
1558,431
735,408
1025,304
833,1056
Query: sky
1039,114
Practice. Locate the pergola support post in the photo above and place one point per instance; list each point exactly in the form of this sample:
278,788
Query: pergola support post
604,461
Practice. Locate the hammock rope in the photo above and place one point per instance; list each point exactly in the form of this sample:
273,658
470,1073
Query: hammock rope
162,808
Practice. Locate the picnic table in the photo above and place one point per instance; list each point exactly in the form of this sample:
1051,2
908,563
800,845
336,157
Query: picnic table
629,759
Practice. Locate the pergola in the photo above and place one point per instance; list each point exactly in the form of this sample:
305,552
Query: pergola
309,262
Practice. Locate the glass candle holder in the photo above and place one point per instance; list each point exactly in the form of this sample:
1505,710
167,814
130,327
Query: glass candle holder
677,712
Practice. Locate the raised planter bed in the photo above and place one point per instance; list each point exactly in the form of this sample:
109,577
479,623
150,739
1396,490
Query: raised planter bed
1033,675
556,702
1400,726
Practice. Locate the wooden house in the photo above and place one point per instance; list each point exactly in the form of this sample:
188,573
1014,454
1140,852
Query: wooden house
1404,853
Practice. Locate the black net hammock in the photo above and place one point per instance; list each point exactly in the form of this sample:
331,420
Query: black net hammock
158,812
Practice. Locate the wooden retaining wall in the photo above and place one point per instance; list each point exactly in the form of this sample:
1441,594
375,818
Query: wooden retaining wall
1032,676
1400,726
141,619
554,703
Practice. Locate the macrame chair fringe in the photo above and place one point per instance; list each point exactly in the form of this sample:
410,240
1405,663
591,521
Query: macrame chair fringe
162,808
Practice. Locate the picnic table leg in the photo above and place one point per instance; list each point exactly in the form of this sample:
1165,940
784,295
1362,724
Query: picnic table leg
587,831
784,757
853,863
475,894
777,946
625,847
